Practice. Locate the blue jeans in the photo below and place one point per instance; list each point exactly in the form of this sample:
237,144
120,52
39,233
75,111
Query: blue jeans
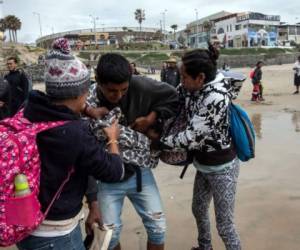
147,204
71,241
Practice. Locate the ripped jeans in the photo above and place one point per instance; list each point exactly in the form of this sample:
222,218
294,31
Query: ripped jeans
147,204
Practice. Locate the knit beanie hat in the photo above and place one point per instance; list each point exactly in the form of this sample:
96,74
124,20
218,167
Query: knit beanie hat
65,75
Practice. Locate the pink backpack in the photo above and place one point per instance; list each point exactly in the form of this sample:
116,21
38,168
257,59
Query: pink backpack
19,216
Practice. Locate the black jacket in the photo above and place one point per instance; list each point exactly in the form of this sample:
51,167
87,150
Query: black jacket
257,76
144,95
170,75
4,97
62,147
18,90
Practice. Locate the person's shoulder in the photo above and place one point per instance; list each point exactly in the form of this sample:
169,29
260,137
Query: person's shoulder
139,81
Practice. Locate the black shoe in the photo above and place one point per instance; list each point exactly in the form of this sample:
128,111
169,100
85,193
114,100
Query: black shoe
296,92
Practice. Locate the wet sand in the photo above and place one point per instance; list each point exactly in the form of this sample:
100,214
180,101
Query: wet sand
268,196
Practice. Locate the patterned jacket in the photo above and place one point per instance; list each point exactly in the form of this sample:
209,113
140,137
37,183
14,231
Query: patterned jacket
134,146
208,117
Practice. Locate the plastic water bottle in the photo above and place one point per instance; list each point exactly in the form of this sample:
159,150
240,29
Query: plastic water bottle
21,185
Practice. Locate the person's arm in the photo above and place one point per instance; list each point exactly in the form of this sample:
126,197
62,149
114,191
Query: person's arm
142,124
163,75
94,215
104,166
178,77
202,124
25,85
164,99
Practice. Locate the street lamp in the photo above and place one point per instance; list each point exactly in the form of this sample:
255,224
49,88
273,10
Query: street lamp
94,21
40,24
39,18
164,22
196,12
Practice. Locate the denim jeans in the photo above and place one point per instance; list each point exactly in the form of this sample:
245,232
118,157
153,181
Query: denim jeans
147,204
71,241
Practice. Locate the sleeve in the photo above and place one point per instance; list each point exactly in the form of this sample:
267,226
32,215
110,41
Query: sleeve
164,98
202,125
178,77
92,190
162,75
25,85
100,164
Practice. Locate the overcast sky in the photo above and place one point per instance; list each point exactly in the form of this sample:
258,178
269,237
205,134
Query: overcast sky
63,15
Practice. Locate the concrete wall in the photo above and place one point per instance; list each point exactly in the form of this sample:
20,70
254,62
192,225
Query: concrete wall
250,61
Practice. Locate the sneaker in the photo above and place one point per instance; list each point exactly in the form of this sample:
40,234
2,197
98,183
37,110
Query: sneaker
296,92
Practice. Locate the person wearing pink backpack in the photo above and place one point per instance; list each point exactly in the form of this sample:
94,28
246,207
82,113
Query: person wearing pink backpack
67,151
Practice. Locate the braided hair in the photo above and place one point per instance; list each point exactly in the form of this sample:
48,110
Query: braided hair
201,61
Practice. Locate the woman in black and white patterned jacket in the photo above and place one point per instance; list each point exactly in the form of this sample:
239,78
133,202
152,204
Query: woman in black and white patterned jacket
207,96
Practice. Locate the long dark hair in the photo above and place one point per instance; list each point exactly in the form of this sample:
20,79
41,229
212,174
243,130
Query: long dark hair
201,61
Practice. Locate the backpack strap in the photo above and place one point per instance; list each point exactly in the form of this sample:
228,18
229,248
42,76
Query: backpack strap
183,171
37,127
58,192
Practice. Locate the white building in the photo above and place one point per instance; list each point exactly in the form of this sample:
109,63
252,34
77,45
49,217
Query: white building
197,32
247,29
288,34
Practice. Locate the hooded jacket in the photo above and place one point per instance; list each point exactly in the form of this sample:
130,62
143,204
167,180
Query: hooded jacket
207,132
70,145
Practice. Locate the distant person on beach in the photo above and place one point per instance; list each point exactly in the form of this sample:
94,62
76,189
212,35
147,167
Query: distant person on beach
171,73
134,69
256,75
207,98
296,69
19,86
225,66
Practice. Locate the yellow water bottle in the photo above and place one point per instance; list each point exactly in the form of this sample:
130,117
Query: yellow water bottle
21,185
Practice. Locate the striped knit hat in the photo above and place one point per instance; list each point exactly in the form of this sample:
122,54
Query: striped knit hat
65,75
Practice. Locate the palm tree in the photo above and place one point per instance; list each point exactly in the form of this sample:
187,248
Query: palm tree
174,27
17,26
207,26
140,17
12,23
2,25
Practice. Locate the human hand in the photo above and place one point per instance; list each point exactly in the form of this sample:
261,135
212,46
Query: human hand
143,123
1,104
94,216
153,135
96,113
112,132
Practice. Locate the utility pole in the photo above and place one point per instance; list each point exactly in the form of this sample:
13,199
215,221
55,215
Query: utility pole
164,23
40,24
94,21
197,30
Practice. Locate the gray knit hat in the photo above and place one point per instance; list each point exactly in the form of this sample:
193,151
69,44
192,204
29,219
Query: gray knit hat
65,75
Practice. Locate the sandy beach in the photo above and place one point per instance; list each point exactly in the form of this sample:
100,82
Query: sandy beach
268,196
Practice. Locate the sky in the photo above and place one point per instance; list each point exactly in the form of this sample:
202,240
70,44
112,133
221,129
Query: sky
64,15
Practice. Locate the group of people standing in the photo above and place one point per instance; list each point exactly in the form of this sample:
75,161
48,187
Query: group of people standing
102,175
